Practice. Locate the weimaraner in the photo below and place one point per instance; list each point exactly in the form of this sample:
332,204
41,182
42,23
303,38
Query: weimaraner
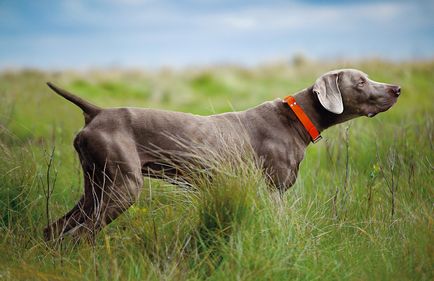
116,145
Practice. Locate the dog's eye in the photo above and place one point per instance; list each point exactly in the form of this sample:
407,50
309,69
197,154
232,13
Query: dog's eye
361,84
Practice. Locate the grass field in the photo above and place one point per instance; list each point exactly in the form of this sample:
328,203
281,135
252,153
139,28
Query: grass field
361,209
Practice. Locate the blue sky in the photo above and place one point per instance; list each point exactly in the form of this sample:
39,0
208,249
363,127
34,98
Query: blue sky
151,33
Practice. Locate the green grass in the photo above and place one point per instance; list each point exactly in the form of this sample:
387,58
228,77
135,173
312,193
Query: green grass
361,209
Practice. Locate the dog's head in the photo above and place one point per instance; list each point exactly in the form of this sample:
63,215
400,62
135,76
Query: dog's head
351,92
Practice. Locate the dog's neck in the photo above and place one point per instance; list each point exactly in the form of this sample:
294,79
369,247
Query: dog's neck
320,117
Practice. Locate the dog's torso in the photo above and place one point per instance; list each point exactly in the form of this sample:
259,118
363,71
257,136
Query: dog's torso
158,135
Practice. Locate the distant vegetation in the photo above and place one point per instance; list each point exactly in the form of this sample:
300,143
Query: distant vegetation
362,207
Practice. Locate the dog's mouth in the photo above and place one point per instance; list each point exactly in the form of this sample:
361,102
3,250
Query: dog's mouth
384,106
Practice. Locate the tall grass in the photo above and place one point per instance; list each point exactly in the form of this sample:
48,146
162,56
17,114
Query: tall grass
361,208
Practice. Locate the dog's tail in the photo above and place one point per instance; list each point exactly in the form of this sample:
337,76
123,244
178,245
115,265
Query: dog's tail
89,110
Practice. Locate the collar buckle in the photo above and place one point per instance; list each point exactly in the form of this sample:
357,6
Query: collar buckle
317,139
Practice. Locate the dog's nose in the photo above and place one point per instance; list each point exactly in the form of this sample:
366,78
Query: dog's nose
396,91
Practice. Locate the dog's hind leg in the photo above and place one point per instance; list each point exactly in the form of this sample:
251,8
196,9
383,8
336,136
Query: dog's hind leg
64,223
77,213
80,211
75,216
119,191
113,181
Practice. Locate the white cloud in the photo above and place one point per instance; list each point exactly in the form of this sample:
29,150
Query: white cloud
131,2
239,22
139,15
306,16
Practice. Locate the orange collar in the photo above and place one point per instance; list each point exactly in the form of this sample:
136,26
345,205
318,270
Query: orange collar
308,125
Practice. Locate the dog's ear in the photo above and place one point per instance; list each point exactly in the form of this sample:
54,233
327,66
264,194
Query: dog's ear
329,95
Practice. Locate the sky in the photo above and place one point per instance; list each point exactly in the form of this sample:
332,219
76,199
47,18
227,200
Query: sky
50,34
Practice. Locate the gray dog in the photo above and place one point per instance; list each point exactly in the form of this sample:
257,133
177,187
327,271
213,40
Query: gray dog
116,144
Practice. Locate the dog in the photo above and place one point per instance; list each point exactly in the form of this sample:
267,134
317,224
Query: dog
116,145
